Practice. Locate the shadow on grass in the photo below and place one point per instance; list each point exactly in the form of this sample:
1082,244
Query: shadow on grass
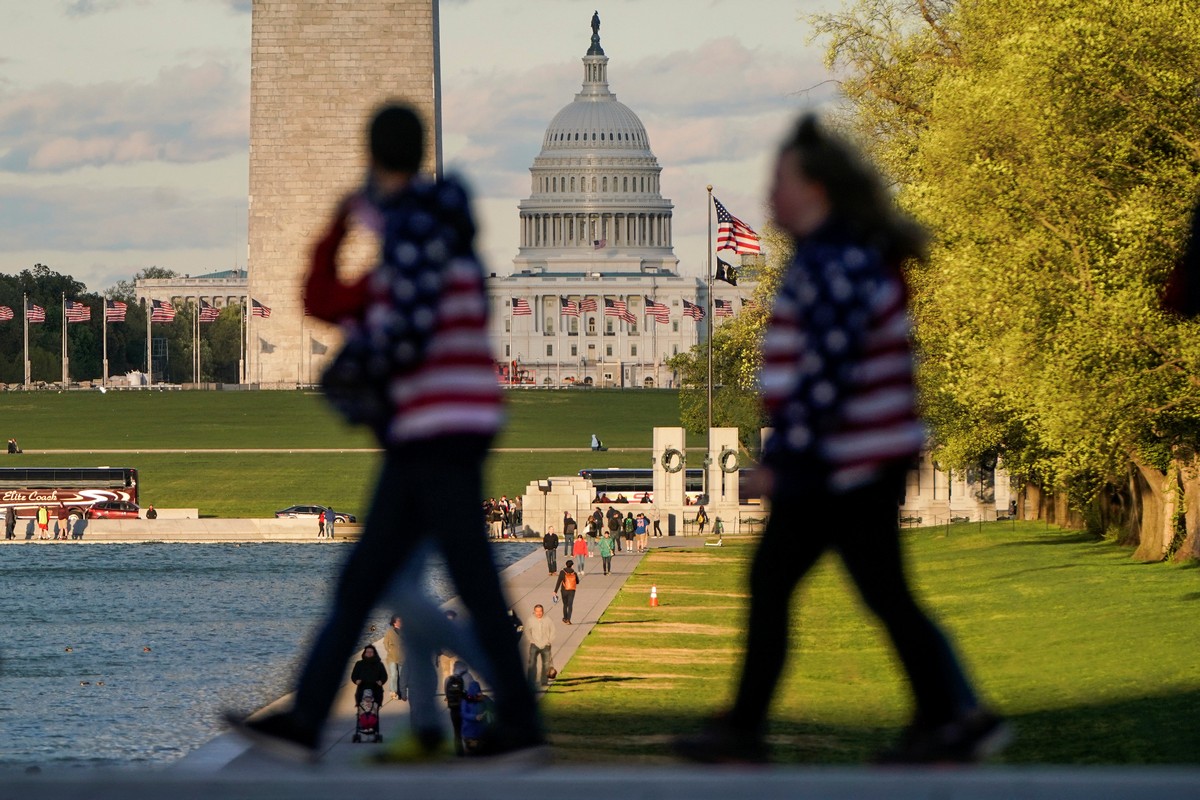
567,685
1147,730
1079,537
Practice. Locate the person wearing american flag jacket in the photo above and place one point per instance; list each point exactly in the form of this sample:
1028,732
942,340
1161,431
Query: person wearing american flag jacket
424,309
837,382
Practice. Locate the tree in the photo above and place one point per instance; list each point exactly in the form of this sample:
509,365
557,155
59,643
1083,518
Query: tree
46,288
1056,162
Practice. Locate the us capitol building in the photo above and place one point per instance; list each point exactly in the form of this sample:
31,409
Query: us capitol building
595,245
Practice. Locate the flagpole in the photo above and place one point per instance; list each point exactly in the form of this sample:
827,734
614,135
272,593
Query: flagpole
708,444
149,355
104,338
243,368
25,316
64,340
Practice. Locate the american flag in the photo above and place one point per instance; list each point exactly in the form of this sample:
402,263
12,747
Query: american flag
599,244
659,311
520,307
692,310
726,272
733,234
161,311
78,312
257,309
722,308
749,303
208,313
114,311
617,308
567,308
588,304
35,313
6,313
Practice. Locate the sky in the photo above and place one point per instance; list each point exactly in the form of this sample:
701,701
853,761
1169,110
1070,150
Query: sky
124,124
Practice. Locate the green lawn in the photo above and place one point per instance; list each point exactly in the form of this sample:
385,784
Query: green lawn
256,484
1092,655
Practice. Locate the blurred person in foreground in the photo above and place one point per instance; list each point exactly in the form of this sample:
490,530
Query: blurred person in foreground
837,381
436,408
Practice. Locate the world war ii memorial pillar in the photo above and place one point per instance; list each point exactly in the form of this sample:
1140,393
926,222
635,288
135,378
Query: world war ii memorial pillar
724,462
670,461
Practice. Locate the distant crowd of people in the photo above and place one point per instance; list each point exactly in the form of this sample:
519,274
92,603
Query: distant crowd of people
503,517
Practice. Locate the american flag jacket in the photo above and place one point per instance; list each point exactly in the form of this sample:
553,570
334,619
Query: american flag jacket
837,374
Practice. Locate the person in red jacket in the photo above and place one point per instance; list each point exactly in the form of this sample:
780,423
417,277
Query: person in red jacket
419,319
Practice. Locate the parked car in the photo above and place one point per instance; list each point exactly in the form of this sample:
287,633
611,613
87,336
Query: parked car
294,512
113,509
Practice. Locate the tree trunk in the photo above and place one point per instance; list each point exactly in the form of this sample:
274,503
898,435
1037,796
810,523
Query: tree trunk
1155,497
1032,507
1189,476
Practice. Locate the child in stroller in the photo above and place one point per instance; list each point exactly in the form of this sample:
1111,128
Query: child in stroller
366,720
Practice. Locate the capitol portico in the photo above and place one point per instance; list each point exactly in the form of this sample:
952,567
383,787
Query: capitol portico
595,296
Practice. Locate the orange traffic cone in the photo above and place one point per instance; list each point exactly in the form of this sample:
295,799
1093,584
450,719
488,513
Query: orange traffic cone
653,596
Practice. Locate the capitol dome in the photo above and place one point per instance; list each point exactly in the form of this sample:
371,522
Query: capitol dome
595,187
595,121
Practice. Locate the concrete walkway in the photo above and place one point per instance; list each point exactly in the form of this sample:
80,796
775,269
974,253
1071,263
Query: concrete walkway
526,583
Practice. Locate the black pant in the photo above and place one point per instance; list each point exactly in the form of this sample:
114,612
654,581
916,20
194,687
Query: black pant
568,603
552,559
456,726
440,487
862,527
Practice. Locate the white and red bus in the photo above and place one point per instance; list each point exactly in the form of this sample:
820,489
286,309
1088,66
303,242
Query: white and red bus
78,488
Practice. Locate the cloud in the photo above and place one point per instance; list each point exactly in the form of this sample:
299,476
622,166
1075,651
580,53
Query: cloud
82,218
499,118
187,114
85,8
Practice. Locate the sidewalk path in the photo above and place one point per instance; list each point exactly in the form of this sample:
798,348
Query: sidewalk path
526,584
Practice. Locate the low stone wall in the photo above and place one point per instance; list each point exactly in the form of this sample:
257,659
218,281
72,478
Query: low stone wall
203,530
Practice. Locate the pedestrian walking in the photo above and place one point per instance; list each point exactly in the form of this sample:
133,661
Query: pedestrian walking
550,545
427,389
455,691
393,656
321,524
43,522
570,528
836,348
540,634
605,546
580,551
568,580
10,523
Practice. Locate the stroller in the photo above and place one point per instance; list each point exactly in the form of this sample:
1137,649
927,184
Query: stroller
366,719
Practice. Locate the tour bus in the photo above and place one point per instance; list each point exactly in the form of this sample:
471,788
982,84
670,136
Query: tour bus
26,488
636,483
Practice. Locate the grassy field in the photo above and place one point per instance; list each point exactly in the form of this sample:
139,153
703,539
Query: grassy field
1090,654
256,484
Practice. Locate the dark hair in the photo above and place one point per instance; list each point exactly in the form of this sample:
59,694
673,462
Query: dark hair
397,138
857,195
